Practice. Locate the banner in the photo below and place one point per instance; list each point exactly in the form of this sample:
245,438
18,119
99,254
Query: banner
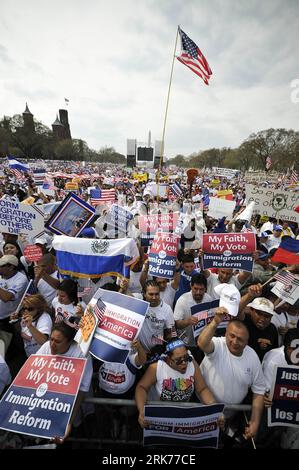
40,400
205,313
141,177
228,173
273,202
219,208
225,194
228,250
287,292
89,258
154,190
150,224
285,392
162,255
71,217
17,218
121,320
177,426
119,218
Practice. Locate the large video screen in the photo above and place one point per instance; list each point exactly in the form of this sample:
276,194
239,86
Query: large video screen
145,154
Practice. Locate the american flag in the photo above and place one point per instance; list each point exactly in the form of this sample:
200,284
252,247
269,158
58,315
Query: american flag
294,177
268,163
176,189
285,277
17,174
99,309
192,57
97,196
158,339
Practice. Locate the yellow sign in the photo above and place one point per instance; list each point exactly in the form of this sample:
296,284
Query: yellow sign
141,177
215,182
225,194
76,180
71,186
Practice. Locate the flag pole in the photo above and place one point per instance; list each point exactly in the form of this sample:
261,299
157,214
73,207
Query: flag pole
165,116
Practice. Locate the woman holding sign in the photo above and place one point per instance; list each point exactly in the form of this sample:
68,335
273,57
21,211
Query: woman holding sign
174,378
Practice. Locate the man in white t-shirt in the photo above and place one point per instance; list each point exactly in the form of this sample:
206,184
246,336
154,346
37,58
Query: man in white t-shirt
231,368
47,278
12,286
225,275
159,322
184,321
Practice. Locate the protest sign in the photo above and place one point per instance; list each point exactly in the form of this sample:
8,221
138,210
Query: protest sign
71,186
71,217
228,173
287,292
228,250
120,321
153,190
225,194
33,253
119,219
219,208
141,177
162,255
40,400
273,202
150,224
173,425
205,313
16,218
285,392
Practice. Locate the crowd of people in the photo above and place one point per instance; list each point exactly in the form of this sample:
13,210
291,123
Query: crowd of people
232,359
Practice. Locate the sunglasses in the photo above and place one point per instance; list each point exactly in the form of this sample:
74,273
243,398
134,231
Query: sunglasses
180,360
30,309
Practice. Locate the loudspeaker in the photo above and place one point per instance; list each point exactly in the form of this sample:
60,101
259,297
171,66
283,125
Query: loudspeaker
131,153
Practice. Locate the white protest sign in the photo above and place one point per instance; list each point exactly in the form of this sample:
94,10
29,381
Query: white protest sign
17,218
289,293
219,208
273,202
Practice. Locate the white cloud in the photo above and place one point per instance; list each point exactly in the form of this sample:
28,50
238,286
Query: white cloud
112,61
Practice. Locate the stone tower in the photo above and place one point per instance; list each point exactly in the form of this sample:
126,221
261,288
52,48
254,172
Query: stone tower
63,116
58,129
28,121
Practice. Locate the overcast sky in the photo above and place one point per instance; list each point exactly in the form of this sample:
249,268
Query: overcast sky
112,60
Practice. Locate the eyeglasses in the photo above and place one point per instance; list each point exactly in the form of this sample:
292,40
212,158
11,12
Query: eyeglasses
180,360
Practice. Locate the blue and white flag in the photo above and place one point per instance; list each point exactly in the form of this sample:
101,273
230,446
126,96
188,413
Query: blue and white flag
16,165
176,189
39,176
121,320
94,258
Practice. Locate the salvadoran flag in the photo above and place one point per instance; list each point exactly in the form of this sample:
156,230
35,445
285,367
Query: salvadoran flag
94,258
16,165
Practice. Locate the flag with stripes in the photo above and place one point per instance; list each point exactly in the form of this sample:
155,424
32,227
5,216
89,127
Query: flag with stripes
176,189
17,174
285,277
97,196
16,165
99,309
192,57
39,176
158,339
294,177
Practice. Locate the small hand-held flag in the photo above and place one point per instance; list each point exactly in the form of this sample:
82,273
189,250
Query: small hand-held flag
192,57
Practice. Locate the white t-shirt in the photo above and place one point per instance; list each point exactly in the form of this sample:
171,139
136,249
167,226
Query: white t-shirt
16,285
43,324
65,312
182,311
168,295
48,292
156,321
172,385
118,378
73,351
228,376
273,358
134,284
213,281
284,319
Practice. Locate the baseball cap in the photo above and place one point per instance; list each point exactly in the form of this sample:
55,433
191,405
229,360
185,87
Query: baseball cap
40,241
278,228
263,255
9,259
229,298
263,234
262,304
